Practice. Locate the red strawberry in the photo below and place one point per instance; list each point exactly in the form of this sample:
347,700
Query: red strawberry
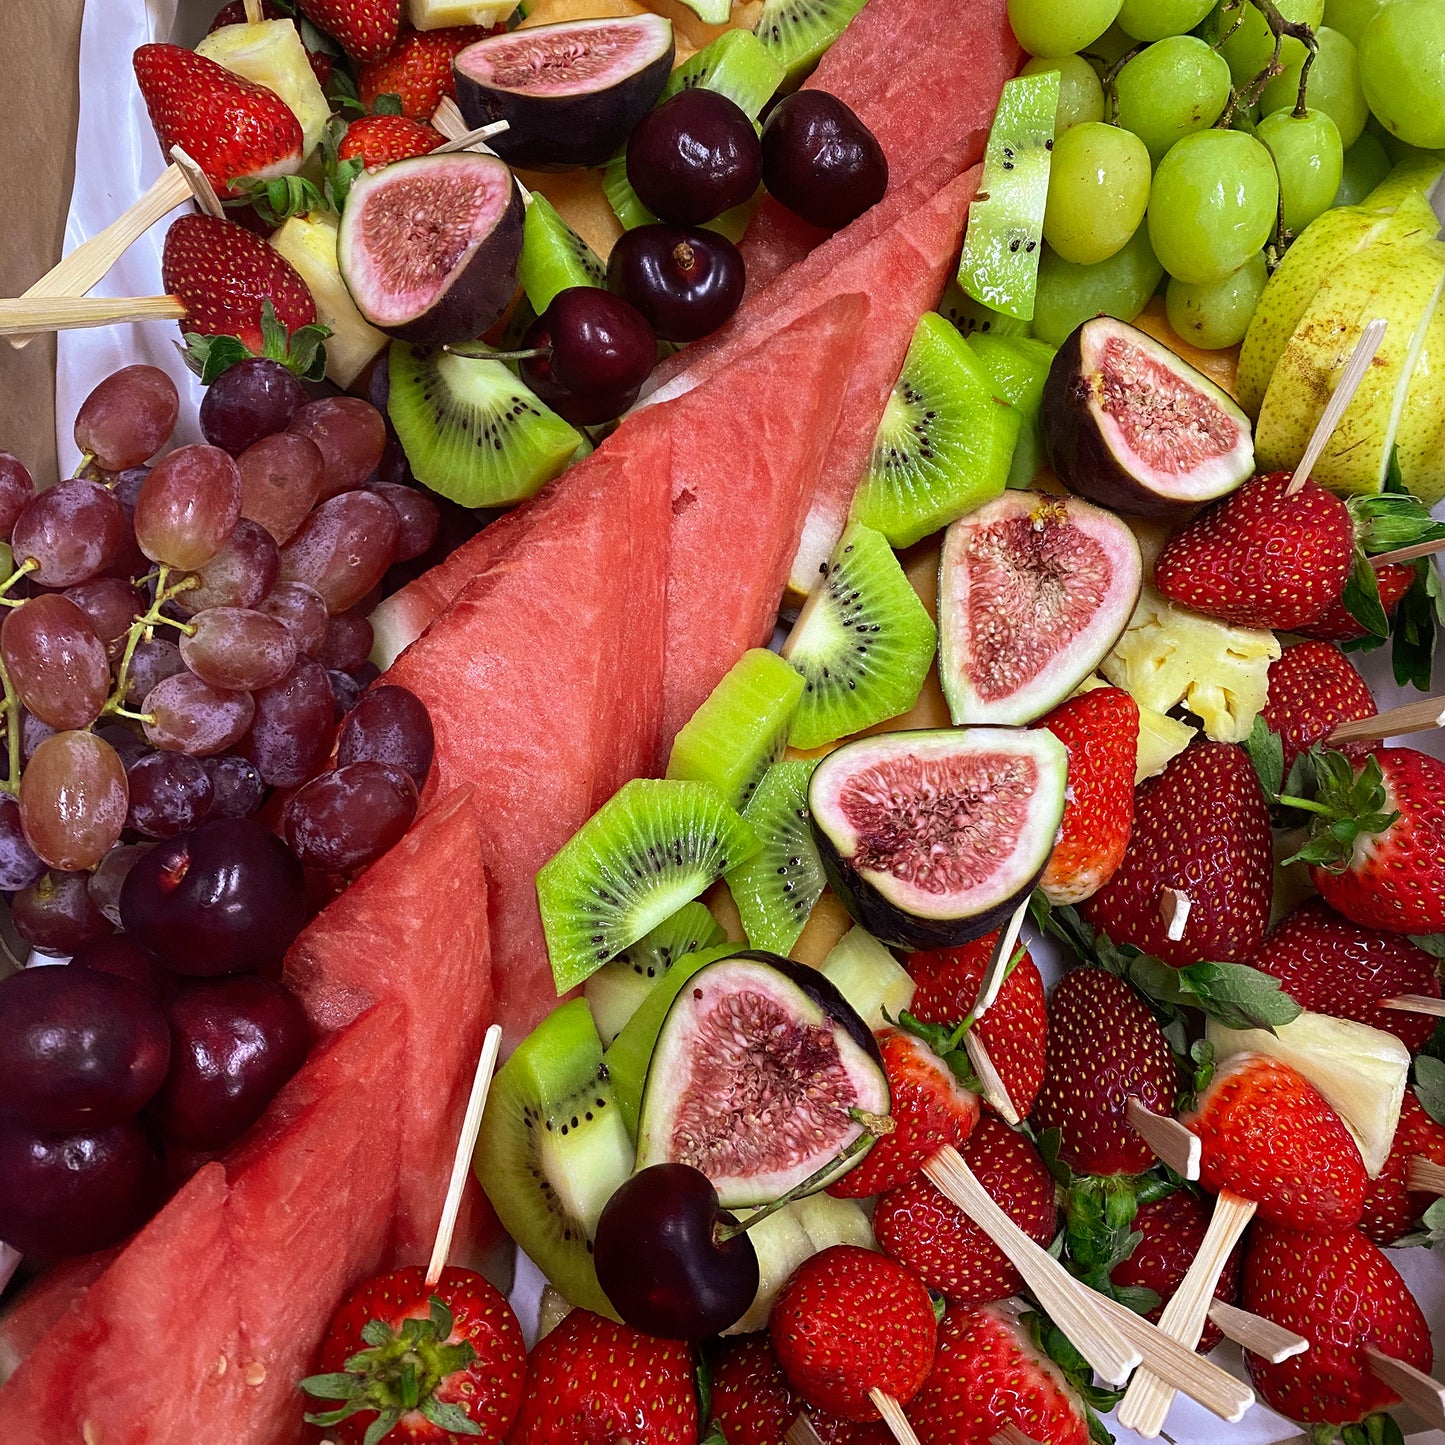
1105,1048
930,1109
1391,1208
232,128
418,69
1201,828
1173,1229
932,1236
1341,1293
234,13
1268,1135
1337,624
1313,688
849,1321
364,29
1100,729
1329,965
225,274
987,1374
1382,871
381,139
1014,1028
467,1355
593,1380
1257,558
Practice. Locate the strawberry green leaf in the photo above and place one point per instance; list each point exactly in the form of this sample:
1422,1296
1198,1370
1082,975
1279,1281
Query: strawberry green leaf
386,105
1430,1087
1417,624
449,1417
1432,943
1076,1369
1346,805
1362,598
279,199
381,1427
1266,751
1387,521
209,356
1394,477
702,1386
947,1042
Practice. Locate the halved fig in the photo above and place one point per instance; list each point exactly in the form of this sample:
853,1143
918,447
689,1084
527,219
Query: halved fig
1132,426
429,247
755,1078
932,839
570,93
1033,591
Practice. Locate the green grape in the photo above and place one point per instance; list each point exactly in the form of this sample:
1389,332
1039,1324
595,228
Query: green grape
1154,19
1098,189
1249,48
1366,165
1334,86
1213,205
1350,17
1309,159
1046,27
1081,97
1402,65
1109,47
1069,295
1217,315
1174,88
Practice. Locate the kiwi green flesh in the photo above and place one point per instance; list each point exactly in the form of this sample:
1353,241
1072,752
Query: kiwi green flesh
471,431
971,317
863,642
775,890
945,443
737,64
554,257
1019,367
797,32
653,847
553,1146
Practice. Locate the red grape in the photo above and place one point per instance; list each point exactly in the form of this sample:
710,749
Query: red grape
351,436
302,610
33,732
17,490
249,400
128,418
186,715
20,866
239,575
292,729
170,793
389,725
73,800
348,818
343,548
112,604
56,662
150,664
345,692
56,913
74,531
234,647
417,516
236,786
280,482
347,643
188,507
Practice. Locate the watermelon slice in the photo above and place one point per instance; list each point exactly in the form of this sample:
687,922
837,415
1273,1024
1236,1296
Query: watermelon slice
43,1303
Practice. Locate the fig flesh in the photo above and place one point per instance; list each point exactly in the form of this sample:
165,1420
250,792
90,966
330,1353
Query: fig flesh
754,1078
429,247
934,838
570,93
1134,427
1033,591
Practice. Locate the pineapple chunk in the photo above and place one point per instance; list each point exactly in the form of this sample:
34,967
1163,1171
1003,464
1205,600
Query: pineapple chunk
309,244
1169,656
869,977
271,54
1161,737
1360,1071
439,14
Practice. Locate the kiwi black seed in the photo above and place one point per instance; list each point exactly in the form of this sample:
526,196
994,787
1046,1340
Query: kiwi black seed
554,256
797,32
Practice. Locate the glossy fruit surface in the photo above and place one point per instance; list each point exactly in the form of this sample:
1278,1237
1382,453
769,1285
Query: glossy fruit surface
602,350
821,161
348,817
694,157
686,282
389,725
248,401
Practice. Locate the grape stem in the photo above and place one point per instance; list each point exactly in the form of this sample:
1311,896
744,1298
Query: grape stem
24,569
1109,80
1243,10
12,733
1279,28
143,627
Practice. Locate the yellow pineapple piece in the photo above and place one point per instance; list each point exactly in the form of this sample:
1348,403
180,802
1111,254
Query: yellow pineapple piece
271,54
1160,737
440,14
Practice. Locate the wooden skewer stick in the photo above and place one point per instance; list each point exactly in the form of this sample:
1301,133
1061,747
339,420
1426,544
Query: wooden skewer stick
470,138
448,119
1349,384
9,1263
893,1417
801,1431
254,13
1408,554
1256,1334
1424,1394
990,1080
1147,1400
462,1163
1168,1138
1425,1176
1412,717
24,317
1067,1302
1010,1434
1174,908
1416,1003
1003,950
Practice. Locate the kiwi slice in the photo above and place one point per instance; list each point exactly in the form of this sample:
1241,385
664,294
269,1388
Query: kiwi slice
1000,264
471,431
971,318
863,642
944,444
653,847
742,728
797,32
738,65
1019,366
554,256
776,888
553,1146
617,988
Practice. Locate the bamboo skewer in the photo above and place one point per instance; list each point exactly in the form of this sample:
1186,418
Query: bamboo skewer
1408,554
1256,1334
254,13
1411,717
1148,1398
1003,950
23,316
1425,1176
1010,1434
995,1091
1349,384
1421,1392
801,1432
893,1417
1168,1138
1174,908
1416,1003
471,139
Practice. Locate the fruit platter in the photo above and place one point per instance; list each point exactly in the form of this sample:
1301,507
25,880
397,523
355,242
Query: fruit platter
724,728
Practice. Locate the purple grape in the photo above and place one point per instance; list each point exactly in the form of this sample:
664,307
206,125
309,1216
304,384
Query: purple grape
17,490
19,864
291,730
170,793
417,517
150,664
347,643
389,725
236,787
57,915
348,818
248,401
345,692
694,157
686,282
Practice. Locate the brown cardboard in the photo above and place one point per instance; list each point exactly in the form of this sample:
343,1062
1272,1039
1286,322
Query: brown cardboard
39,83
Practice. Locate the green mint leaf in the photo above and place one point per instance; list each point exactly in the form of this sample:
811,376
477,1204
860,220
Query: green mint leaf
1098,1430
1416,627
1238,996
1430,1087
449,1417
1136,1297
1266,751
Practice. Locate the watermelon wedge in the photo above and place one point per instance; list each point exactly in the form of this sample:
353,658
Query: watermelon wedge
43,1303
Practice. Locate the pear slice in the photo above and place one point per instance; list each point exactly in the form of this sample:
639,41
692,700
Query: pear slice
1420,438
1360,1071
441,14
869,977
271,54
1416,175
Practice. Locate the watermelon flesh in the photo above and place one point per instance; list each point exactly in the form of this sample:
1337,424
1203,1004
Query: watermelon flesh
44,1302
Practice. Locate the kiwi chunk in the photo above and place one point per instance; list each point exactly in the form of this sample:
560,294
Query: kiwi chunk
775,890
553,1146
1019,367
1000,264
945,442
738,65
797,32
617,988
554,256
742,728
863,642
653,847
471,431
971,318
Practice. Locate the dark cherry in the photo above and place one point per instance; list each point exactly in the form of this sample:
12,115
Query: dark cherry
821,161
234,1043
225,898
602,350
124,958
248,401
389,725
56,914
79,1049
686,282
660,1259
694,157
64,1194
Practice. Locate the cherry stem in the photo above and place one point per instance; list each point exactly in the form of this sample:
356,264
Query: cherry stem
482,353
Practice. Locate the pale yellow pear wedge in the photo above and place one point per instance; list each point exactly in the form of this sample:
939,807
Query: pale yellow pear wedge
1420,439
440,14
1416,175
271,54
